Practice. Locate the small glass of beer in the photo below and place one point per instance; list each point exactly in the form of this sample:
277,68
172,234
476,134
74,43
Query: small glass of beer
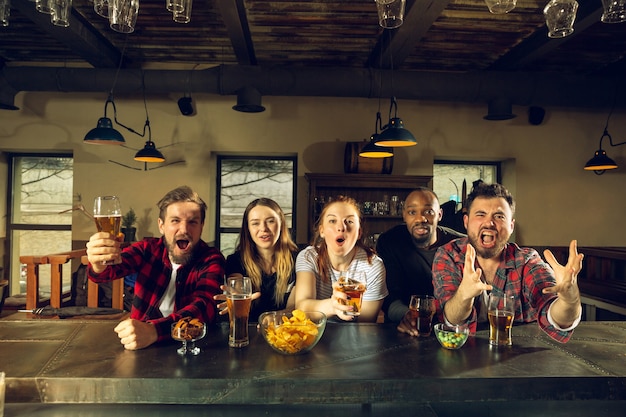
107,213
353,285
501,311
423,308
238,299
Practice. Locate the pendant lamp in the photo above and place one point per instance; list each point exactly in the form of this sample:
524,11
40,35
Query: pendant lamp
103,133
371,150
601,161
394,134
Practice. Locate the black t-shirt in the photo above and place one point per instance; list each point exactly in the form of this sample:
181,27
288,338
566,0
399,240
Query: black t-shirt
266,302
409,268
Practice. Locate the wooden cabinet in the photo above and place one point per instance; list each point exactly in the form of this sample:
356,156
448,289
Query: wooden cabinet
369,190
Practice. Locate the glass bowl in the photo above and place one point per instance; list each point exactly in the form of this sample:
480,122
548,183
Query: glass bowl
292,332
187,331
451,337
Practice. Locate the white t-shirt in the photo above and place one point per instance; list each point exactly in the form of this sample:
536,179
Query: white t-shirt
375,277
169,298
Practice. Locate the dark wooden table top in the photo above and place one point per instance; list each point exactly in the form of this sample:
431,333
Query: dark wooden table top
81,361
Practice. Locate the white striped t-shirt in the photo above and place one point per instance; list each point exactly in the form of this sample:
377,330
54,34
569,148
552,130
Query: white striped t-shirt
374,274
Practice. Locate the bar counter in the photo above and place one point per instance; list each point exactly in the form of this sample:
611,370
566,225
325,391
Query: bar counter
78,367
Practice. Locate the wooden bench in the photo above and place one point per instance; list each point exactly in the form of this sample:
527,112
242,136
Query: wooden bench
602,281
56,262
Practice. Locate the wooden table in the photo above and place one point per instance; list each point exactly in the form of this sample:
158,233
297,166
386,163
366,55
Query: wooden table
53,366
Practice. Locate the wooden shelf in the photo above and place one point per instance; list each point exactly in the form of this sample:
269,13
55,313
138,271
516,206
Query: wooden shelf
363,188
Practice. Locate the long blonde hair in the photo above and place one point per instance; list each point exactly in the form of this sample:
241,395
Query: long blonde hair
282,258
323,260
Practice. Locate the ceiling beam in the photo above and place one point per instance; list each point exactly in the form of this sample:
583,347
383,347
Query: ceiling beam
395,45
80,37
539,44
236,21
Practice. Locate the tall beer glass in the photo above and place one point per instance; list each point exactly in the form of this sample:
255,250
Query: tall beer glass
107,212
501,312
238,299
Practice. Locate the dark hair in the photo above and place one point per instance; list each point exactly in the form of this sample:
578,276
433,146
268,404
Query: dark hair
323,261
484,190
183,194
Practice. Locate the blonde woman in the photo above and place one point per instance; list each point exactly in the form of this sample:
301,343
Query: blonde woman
337,248
266,253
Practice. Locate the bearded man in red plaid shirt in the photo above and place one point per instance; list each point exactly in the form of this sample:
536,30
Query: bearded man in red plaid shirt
177,274
466,270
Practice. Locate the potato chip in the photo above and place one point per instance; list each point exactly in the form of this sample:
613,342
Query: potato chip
294,334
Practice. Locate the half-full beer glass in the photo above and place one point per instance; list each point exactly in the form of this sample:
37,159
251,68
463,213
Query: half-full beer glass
352,283
501,312
107,212
238,299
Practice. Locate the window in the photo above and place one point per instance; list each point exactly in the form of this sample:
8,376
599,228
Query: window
241,179
448,179
40,190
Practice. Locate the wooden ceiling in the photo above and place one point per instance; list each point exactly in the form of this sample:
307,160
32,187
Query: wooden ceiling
437,35
458,36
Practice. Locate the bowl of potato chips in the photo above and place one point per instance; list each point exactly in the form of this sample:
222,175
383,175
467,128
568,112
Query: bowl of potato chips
292,332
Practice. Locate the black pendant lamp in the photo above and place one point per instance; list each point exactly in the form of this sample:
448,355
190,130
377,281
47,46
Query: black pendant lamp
103,133
600,161
394,134
149,153
371,150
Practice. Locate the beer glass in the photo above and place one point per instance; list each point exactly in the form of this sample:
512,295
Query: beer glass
501,311
353,285
422,308
107,213
238,299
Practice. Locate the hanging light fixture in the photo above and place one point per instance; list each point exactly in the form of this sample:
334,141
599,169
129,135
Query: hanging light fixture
394,134
600,161
371,150
103,133
149,153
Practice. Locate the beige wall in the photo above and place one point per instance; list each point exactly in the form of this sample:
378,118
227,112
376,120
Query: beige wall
557,200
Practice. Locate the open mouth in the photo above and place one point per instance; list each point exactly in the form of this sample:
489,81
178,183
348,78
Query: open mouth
340,240
182,244
488,238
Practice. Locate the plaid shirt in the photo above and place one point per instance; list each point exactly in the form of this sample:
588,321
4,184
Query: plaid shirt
196,283
522,273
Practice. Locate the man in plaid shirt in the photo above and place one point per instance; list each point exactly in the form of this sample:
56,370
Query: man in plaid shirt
467,269
177,274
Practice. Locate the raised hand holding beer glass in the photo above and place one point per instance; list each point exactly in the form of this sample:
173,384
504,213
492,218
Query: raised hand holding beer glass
501,312
238,299
107,213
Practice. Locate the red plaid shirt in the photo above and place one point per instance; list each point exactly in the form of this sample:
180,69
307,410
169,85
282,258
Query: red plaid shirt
196,283
522,273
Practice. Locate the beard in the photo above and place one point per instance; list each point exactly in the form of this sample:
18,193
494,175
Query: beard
487,253
422,240
180,259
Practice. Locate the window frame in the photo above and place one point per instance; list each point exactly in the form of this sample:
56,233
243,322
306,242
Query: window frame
218,197
12,227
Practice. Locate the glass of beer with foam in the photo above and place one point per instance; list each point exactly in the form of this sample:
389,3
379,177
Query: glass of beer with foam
107,213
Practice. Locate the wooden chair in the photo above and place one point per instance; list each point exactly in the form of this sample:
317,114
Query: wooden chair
56,262
32,279
93,289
